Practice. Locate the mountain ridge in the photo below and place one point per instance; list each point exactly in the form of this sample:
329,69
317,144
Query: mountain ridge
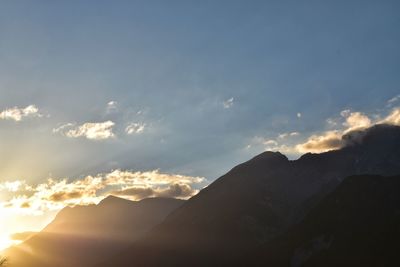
258,200
84,235
355,225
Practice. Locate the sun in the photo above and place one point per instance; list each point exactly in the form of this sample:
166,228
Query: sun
5,242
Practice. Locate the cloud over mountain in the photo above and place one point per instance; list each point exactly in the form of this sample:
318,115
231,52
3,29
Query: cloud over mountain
320,143
177,190
354,121
56,194
342,131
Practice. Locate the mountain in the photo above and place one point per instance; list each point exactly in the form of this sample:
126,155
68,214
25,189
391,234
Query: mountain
356,225
257,201
84,235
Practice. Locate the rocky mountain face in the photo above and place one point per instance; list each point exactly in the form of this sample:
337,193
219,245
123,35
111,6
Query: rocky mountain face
258,201
358,224
85,235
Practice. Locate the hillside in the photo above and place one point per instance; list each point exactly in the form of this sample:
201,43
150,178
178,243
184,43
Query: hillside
356,225
84,235
257,201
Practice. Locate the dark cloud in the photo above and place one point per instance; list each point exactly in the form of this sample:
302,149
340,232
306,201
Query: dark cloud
62,196
25,205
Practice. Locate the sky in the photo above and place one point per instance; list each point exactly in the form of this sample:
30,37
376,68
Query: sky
159,98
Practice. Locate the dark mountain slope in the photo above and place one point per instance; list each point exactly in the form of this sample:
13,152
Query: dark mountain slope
258,200
356,225
84,235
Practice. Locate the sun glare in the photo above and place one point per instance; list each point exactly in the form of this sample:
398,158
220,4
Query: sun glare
5,242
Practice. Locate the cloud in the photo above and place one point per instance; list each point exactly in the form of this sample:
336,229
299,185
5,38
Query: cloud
332,122
153,178
112,107
172,191
12,186
18,114
134,191
393,100
270,142
228,103
343,131
62,196
55,194
355,121
89,130
331,140
135,128
321,143
178,191
25,205
273,144
62,128
345,113
393,117
286,135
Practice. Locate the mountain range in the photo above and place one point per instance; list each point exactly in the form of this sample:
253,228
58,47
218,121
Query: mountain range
259,200
268,211
85,235
355,225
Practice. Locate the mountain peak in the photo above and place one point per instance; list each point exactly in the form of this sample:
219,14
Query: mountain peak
380,134
113,200
269,155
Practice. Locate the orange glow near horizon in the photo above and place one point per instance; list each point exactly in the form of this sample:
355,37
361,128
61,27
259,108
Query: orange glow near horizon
29,207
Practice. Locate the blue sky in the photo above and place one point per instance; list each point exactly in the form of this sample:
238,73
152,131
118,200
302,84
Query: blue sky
176,62
204,77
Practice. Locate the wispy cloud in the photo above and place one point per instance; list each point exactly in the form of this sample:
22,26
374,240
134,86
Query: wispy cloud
135,128
55,194
112,107
280,143
270,142
228,103
286,135
18,114
393,100
89,130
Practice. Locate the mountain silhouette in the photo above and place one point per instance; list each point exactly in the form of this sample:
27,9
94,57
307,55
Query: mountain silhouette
259,200
84,235
356,225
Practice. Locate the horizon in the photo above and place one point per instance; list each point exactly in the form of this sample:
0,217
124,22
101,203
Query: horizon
145,99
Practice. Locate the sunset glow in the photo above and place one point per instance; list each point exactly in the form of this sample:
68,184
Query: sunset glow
5,242
109,108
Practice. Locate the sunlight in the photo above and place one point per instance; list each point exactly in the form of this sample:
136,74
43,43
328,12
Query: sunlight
5,242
